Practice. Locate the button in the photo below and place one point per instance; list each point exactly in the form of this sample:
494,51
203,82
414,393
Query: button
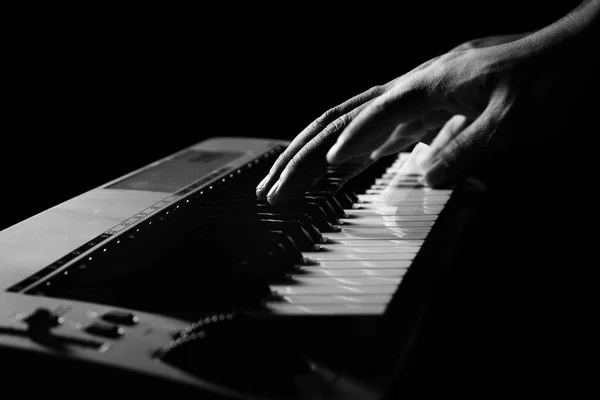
120,317
42,319
105,330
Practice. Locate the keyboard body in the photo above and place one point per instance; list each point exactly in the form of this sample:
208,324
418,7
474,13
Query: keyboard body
100,280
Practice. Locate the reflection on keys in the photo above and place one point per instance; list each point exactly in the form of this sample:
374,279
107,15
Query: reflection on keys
353,242
359,268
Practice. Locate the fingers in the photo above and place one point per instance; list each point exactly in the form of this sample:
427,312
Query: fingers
460,145
448,153
309,162
451,129
406,134
401,137
368,131
332,119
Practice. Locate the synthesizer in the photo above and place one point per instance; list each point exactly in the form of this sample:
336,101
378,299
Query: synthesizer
175,277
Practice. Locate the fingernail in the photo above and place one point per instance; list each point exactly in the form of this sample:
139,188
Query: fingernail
374,155
438,172
260,187
332,155
424,160
273,190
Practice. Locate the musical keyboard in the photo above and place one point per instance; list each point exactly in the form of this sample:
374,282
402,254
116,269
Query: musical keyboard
360,265
185,243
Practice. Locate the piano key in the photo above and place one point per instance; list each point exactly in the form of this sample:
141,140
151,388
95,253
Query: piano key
422,190
396,211
392,208
285,290
332,282
408,195
372,214
361,256
327,249
399,200
338,299
376,235
382,202
332,264
379,224
382,209
352,272
416,192
405,184
389,175
341,309
397,170
374,243
375,228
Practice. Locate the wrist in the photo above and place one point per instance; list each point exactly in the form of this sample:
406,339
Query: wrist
570,32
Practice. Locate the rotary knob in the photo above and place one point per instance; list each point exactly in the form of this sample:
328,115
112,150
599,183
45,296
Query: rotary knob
42,320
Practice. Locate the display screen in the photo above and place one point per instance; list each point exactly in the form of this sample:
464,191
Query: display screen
178,172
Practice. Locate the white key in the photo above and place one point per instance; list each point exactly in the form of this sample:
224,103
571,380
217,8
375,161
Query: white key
285,290
338,299
374,214
339,309
374,243
377,235
418,191
383,181
408,204
360,256
382,189
408,192
393,200
336,249
347,223
395,229
333,282
415,184
352,272
420,210
398,199
329,264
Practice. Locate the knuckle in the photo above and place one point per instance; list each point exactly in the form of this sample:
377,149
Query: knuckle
327,116
375,90
282,160
291,168
338,124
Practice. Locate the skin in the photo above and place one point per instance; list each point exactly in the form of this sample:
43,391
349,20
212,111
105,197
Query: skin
466,103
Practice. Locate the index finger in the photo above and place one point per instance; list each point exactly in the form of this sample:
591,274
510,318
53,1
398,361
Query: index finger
407,101
309,133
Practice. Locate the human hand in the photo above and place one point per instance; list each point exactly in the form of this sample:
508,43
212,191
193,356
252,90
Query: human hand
463,98
489,41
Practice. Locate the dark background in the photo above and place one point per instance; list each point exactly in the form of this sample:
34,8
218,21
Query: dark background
91,94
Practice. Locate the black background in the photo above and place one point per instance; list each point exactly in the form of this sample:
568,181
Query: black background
90,94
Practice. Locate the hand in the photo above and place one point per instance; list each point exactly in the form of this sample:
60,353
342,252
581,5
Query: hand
464,99
489,41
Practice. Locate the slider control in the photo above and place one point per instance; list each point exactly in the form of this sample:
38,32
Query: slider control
105,330
120,317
